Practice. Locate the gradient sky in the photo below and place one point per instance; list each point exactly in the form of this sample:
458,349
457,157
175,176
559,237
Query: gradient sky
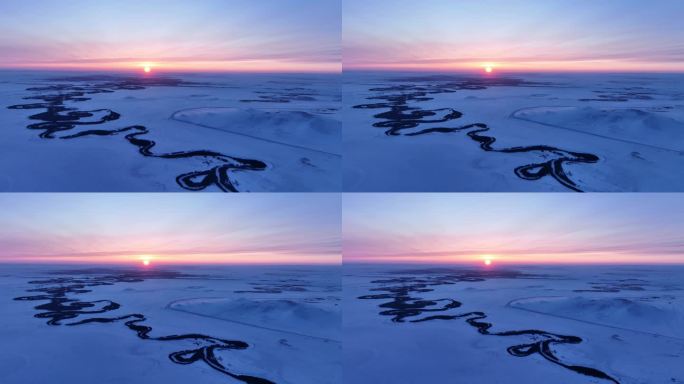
527,35
514,228
206,35
170,228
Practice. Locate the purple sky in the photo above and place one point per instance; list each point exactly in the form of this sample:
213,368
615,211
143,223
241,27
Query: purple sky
170,228
514,228
529,35
206,35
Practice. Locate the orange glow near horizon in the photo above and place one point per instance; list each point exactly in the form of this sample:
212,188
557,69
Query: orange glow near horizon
261,66
521,66
503,258
246,66
186,258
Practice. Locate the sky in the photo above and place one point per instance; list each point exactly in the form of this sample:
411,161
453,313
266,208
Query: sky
170,228
639,228
514,35
179,35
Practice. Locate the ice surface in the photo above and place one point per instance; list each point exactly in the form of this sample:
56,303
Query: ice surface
478,325
425,132
35,352
273,132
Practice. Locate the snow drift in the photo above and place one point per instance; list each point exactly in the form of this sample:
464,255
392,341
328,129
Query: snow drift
631,124
289,315
293,128
637,314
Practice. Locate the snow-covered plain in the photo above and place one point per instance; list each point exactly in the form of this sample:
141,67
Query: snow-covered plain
551,324
206,314
212,132
513,132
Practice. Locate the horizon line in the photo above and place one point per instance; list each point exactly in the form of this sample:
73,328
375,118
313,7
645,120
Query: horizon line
170,71
341,71
497,262
505,71
162,263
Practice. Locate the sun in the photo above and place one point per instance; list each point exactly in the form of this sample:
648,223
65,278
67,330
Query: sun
487,259
488,67
145,259
147,68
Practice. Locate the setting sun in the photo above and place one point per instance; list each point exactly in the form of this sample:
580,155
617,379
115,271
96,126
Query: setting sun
487,67
147,68
487,259
145,259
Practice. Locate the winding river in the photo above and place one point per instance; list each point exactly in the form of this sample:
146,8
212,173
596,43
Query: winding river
401,302
401,116
59,120
61,307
